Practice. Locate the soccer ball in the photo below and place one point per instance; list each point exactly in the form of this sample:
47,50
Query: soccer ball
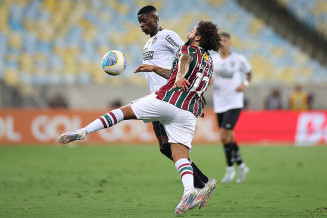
114,62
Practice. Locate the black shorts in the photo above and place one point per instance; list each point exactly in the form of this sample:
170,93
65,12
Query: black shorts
158,129
228,119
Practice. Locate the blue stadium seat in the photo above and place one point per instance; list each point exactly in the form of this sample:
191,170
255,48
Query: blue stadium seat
62,42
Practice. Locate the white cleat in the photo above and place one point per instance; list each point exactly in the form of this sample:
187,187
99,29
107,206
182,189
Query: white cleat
211,184
229,175
242,174
67,137
186,202
199,199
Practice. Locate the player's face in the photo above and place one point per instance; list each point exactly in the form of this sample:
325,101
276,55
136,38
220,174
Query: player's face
225,41
147,23
191,36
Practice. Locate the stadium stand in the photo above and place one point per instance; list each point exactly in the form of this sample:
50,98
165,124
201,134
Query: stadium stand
313,13
62,42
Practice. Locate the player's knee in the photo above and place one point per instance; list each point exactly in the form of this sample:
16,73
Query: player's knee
225,139
226,136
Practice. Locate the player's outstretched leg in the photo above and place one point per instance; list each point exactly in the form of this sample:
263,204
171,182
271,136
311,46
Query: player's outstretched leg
72,136
105,121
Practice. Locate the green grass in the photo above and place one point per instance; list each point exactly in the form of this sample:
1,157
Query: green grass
137,181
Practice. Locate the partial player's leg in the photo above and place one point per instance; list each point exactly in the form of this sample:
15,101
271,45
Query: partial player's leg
161,135
233,116
183,166
105,121
165,148
227,121
227,145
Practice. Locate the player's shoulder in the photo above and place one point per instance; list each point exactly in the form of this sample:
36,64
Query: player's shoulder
169,32
172,38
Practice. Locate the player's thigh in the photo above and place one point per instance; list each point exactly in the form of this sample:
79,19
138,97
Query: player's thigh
220,118
150,109
180,128
229,118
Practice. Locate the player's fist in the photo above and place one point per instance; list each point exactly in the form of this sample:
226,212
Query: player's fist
181,83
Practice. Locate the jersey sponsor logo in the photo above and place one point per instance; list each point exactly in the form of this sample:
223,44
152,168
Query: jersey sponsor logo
148,55
171,41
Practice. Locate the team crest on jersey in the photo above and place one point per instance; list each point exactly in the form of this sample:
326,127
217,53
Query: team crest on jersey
232,63
205,56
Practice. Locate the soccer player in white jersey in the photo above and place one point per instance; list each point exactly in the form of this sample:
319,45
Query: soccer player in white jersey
160,50
176,105
232,74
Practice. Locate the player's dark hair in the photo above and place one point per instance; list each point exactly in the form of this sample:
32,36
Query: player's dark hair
225,34
146,9
210,38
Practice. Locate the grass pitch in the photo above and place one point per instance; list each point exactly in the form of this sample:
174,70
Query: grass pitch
137,181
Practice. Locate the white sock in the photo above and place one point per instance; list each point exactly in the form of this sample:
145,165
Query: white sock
105,121
185,170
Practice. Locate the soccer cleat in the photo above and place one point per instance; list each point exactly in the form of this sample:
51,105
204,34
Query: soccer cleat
229,175
186,202
199,199
211,184
72,136
242,171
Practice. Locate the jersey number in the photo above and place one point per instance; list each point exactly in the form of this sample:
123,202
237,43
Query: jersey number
197,82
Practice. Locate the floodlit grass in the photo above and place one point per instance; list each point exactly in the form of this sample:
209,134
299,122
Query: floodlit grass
137,181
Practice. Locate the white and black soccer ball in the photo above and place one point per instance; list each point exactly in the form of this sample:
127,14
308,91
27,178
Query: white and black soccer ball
114,62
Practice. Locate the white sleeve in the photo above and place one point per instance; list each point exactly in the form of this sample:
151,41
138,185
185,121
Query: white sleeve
245,65
173,41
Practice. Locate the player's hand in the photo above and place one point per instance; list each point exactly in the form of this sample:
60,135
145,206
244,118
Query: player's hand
241,88
181,83
144,68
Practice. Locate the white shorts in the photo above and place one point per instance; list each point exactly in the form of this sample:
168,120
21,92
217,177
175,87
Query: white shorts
179,124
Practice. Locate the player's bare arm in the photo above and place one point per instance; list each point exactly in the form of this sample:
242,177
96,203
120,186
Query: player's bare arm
183,66
245,83
163,72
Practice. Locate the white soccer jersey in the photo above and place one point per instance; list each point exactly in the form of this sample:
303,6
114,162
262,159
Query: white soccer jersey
228,75
160,50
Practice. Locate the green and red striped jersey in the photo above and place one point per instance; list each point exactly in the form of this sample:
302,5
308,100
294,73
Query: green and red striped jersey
199,74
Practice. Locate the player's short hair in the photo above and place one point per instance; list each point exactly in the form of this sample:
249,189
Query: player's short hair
146,9
225,34
210,38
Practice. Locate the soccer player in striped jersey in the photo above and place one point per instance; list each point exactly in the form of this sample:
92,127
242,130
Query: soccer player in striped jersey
229,86
160,51
176,105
